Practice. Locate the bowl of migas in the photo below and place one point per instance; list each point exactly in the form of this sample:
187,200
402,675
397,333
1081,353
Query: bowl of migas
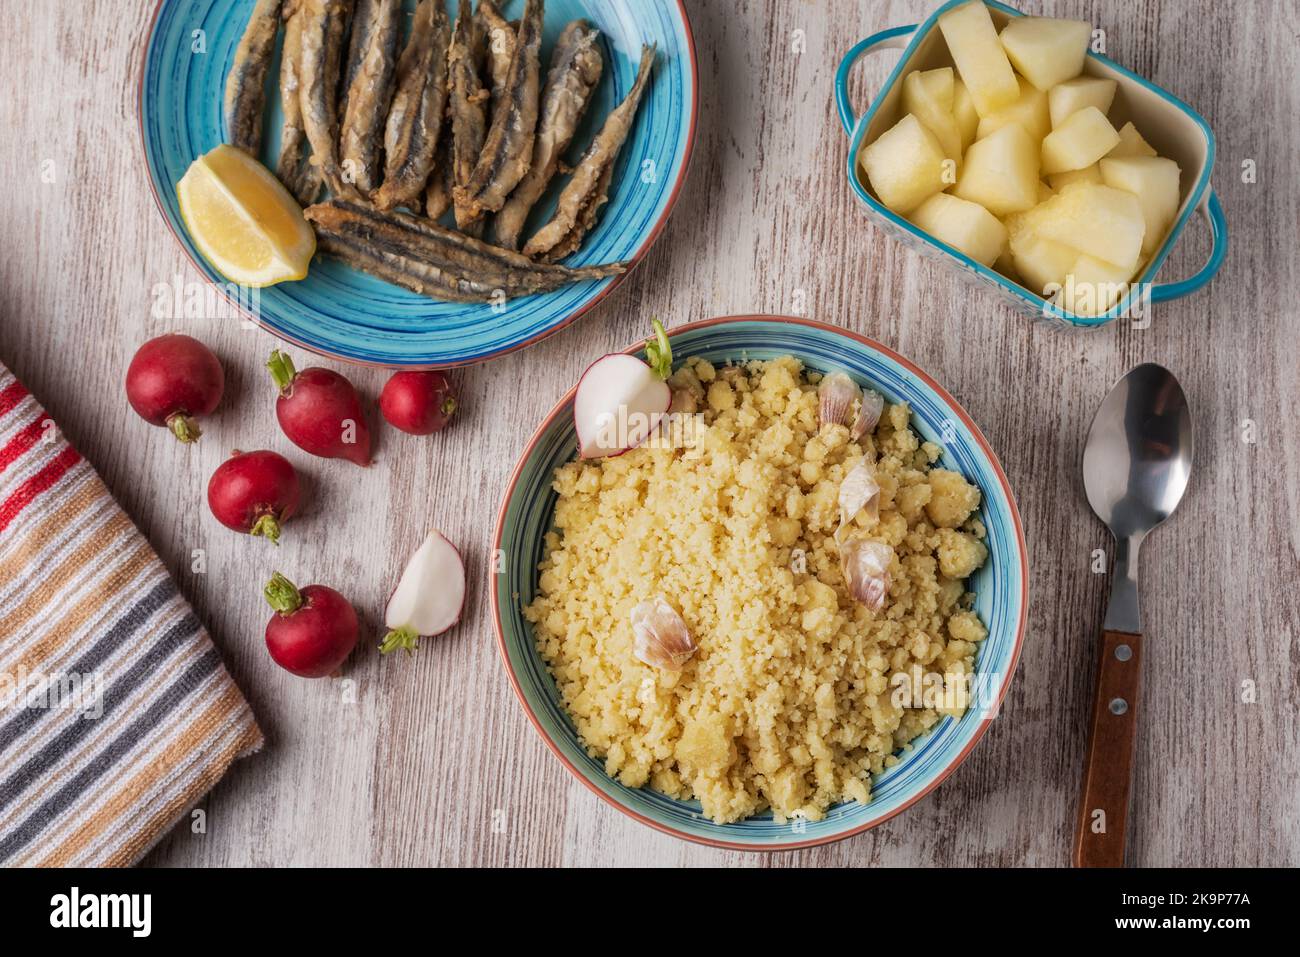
1009,146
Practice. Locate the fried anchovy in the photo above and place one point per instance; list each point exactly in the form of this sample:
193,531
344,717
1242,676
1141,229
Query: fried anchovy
415,119
362,22
246,82
299,177
508,149
499,37
369,95
468,110
436,261
584,193
576,66
324,23
437,198
572,242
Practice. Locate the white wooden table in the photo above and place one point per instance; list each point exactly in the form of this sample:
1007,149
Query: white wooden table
434,763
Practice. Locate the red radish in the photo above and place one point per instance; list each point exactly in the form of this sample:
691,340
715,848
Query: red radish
319,411
420,403
621,399
171,380
254,492
313,630
428,597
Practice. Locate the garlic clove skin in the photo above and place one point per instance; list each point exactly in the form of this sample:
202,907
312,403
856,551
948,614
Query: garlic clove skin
660,637
873,404
859,490
836,393
866,571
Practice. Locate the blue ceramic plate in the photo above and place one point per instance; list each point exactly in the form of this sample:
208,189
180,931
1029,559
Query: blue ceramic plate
343,313
1000,587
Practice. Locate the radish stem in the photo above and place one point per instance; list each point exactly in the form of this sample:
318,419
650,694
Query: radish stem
267,527
658,352
402,637
184,427
282,370
282,595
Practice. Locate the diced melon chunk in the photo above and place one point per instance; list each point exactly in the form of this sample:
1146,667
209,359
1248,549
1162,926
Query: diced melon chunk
1030,111
963,225
1080,141
1001,172
1097,220
1066,99
1154,181
1046,51
1089,174
928,96
981,61
1093,285
1131,143
1040,262
905,165
963,110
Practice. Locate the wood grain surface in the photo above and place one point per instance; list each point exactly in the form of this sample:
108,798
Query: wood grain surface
429,760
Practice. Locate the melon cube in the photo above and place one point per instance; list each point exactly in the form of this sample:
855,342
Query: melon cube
905,165
1041,263
963,225
981,61
928,96
1093,285
1154,181
1083,139
963,110
1001,172
1066,99
1030,111
1089,174
1131,143
1098,220
1046,51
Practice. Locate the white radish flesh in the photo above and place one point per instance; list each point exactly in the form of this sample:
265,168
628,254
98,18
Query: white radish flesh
619,403
429,595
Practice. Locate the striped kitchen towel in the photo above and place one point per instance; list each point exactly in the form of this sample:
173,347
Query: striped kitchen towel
116,713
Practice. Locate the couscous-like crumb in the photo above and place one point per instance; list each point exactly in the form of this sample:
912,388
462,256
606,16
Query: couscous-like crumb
790,700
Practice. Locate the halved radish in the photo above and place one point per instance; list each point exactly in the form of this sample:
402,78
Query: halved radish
620,399
428,597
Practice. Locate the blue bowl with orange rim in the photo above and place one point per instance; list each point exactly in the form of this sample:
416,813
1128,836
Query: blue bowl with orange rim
1000,586
1169,124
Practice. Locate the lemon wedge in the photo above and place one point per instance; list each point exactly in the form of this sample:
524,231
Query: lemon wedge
243,220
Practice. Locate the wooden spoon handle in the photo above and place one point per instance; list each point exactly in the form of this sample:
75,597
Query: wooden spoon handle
1108,768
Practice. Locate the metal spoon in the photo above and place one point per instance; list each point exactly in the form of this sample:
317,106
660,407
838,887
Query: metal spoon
1135,469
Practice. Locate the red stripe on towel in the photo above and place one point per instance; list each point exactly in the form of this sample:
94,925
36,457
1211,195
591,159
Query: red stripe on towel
21,443
11,396
24,494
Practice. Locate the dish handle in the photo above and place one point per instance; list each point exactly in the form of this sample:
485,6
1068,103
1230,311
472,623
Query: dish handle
884,40
1212,212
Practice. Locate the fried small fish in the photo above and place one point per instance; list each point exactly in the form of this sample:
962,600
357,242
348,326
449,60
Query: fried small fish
437,198
369,94
246,81
324,23
299,177
468,109
586,191
499,40
508,149
443,263
413,131
362,21
576,67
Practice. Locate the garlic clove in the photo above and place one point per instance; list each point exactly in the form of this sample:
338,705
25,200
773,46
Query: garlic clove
859,490
873,404
866,570
835,394
660,637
